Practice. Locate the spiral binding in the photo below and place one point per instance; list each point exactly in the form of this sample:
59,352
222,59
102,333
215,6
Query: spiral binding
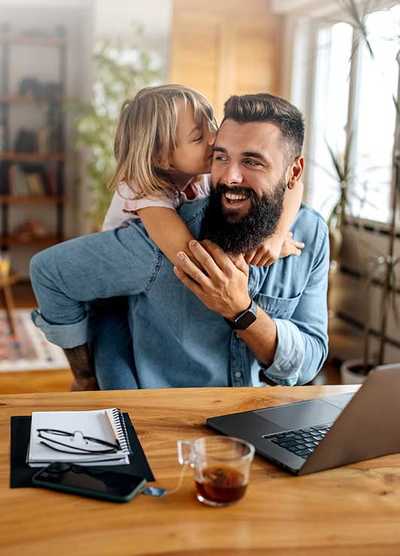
122,433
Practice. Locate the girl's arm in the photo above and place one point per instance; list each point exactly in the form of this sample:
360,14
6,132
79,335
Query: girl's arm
281,244
167,229
169,232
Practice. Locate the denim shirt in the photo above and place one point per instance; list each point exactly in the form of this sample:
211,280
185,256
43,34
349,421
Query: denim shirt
177,341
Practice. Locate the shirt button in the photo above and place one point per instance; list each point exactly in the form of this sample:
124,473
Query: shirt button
238,374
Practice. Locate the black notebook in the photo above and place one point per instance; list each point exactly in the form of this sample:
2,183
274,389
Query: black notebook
21,473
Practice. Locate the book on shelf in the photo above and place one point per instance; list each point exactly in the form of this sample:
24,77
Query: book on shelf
84,437
18,182
32,182
35,184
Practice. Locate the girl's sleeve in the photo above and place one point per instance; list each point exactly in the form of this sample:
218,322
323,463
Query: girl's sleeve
124,206
115,215
131,206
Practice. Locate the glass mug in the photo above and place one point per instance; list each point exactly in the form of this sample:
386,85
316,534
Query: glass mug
221,467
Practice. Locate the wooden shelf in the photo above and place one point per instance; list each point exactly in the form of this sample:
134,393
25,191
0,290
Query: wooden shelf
43,193
32,41
38,241
31,199
13,156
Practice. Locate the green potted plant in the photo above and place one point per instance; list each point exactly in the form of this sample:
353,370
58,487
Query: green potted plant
120,70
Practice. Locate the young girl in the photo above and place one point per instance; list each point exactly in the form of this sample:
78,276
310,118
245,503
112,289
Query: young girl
163,148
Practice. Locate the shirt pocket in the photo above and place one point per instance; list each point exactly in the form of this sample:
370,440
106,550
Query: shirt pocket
277,307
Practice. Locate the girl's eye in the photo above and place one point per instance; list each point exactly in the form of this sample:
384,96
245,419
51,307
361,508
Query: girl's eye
198,139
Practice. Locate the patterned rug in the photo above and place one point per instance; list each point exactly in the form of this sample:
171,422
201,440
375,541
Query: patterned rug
29,350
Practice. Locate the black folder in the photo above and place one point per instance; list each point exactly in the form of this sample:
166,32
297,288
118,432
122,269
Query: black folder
21,474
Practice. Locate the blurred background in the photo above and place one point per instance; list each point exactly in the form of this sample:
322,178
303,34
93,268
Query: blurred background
67,65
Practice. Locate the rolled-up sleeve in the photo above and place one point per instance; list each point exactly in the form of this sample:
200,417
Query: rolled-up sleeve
67,276
63,335
302,345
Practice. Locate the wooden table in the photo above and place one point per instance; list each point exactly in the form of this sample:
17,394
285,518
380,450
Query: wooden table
354,510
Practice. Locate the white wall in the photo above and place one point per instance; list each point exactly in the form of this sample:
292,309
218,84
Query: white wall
114,18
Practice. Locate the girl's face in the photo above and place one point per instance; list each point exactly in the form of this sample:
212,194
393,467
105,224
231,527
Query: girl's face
193,152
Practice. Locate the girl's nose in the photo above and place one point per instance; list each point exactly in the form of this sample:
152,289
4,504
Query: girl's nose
211,138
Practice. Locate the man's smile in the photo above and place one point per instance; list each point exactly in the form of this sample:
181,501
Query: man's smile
238,201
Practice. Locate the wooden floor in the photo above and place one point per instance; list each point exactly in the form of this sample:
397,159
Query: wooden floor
60,380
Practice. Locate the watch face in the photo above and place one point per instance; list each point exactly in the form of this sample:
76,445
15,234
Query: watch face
245,320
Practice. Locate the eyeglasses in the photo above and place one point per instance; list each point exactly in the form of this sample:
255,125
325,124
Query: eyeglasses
75,442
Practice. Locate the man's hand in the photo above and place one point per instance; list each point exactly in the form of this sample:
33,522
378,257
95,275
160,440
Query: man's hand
218,280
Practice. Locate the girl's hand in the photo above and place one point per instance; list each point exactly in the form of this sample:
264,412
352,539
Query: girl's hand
274,248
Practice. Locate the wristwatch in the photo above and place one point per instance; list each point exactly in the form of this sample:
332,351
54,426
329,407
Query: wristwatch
244,319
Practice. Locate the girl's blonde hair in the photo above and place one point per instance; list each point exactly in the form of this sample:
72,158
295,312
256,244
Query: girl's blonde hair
146,134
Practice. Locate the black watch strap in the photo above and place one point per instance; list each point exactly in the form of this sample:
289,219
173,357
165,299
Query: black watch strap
245,318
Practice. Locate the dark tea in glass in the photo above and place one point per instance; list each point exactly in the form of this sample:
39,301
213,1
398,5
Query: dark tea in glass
221,467
221,484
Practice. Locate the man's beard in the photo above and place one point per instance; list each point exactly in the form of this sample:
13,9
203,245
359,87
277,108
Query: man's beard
251,230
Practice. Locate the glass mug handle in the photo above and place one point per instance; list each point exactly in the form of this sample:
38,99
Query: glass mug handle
184,450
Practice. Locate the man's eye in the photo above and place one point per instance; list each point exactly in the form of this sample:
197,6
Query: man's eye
252,163
219,156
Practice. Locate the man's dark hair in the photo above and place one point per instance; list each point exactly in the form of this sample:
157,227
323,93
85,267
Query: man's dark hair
264,107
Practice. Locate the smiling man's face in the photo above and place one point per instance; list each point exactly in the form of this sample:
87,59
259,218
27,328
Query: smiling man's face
249,175
250,160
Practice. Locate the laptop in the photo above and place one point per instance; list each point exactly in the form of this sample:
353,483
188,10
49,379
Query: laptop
309,436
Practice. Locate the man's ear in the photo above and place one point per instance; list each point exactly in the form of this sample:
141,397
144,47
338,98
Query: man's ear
295,172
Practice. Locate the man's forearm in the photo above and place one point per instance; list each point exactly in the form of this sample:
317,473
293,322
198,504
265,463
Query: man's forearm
261,338
287,354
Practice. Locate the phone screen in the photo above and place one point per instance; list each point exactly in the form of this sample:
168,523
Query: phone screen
90,481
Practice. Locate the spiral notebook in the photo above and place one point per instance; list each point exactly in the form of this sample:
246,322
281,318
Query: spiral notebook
85,437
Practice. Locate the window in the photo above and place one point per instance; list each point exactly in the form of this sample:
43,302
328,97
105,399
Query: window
329,112
349,95
376,115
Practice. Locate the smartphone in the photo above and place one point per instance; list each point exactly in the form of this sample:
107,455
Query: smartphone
89,481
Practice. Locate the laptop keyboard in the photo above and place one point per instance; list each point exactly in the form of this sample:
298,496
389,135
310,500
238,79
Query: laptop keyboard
301,442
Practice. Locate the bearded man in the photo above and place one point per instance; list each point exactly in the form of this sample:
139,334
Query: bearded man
211,320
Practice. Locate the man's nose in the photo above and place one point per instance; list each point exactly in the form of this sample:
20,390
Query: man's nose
232,175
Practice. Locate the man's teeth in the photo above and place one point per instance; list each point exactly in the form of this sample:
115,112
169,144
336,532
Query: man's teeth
235,197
